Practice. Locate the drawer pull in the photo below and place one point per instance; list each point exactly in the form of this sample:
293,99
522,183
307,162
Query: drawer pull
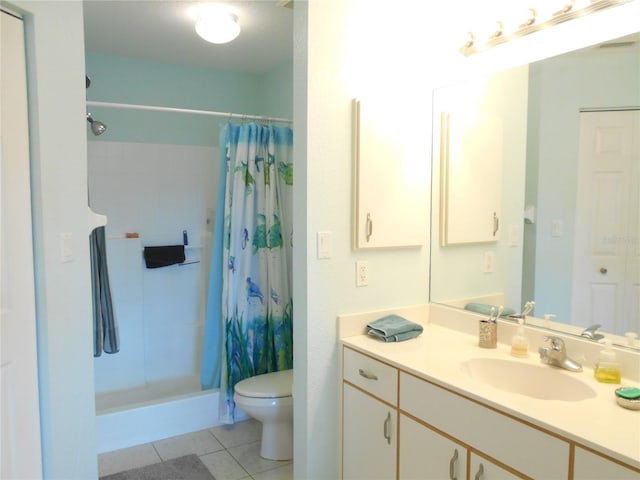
387,428
479,473
367,375
452,465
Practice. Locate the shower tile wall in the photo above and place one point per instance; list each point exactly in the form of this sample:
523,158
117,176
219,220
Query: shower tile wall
157,191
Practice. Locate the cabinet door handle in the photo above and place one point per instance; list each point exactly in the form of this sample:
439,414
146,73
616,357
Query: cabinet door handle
369,229
479,473
452,465
367,375
496,224
387,428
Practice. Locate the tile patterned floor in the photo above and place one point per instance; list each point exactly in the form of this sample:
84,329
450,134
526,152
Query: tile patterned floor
230,452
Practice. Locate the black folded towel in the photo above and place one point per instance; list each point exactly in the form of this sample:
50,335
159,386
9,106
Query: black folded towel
156,257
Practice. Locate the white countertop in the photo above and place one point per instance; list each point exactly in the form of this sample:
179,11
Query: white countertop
436,355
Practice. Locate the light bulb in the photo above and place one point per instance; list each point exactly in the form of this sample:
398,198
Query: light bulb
218,27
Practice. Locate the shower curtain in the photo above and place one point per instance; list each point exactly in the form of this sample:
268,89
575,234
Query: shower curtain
251,265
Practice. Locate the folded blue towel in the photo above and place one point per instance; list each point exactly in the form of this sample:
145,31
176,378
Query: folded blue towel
394,328
485,309
398,337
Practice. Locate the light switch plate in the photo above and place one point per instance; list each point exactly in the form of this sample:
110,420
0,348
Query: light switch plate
66,247
324,245
556,228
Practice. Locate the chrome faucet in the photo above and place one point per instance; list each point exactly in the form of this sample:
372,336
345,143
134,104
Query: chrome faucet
591,333
556,355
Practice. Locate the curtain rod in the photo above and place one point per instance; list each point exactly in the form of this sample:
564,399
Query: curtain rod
229,115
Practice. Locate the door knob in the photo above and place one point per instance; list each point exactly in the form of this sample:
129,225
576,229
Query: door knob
603,270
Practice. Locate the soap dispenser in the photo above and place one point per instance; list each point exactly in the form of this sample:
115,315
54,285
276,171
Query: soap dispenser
607,369
519,343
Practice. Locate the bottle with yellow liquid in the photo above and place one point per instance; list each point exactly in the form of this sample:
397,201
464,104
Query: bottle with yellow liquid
519,343
607,369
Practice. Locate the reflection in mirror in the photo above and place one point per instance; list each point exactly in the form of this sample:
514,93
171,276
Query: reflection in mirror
568,234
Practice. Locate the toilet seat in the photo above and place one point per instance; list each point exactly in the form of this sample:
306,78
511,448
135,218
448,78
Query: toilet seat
267,385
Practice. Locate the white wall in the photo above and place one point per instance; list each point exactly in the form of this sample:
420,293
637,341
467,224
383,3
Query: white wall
55,69
347,57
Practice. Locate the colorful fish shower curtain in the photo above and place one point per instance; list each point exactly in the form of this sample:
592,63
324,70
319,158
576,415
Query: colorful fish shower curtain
256,307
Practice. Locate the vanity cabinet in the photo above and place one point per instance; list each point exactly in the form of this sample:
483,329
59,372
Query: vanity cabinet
397,425
370,418
589,466
425,453
486,431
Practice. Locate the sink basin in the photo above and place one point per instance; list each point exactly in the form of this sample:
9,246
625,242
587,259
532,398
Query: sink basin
541,382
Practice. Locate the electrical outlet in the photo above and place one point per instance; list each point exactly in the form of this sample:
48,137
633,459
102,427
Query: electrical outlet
362,274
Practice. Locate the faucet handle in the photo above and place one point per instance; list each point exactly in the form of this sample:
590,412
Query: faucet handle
556,342
591,332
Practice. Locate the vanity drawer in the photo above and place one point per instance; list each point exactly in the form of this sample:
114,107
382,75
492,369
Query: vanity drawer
516,444
375,377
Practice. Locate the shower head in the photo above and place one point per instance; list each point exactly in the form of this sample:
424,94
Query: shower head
98,128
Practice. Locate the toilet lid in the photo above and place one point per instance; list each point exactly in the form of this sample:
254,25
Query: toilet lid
267,385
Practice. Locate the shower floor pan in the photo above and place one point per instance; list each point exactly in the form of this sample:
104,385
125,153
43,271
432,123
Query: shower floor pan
152,412
150,393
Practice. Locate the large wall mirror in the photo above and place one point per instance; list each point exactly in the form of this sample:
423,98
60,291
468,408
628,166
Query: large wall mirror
565,132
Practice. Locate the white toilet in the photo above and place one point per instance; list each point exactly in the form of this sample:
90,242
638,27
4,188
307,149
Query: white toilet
267,398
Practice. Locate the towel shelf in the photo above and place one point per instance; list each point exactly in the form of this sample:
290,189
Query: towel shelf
186,247
187,263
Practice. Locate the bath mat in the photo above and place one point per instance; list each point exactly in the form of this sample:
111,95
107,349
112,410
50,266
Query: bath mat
188,467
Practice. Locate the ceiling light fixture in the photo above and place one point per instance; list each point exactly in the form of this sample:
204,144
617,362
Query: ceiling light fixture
534,19
217,26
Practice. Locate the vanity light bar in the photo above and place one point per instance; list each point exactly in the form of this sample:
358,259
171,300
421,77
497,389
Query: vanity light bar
532,24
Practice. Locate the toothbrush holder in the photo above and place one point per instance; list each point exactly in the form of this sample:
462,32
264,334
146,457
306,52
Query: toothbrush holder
488,334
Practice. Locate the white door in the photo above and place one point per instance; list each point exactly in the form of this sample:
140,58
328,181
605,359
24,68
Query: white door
20,419
607,246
